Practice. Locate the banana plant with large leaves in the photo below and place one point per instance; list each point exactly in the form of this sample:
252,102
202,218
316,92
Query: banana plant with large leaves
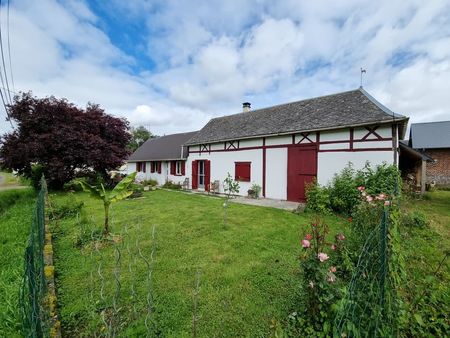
120,192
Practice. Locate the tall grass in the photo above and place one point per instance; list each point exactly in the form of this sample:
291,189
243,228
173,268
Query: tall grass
16,207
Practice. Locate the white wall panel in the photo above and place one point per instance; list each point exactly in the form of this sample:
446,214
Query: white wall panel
277,140
257,142
335,135
330,163
276,173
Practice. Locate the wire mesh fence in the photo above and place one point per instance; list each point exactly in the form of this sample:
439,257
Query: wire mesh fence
370,305
34,287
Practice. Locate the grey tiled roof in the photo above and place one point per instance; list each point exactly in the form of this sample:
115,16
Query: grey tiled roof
167,147
345,109
430,135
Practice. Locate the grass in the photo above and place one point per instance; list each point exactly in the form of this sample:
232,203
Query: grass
249,271
424,249
16,207
9,179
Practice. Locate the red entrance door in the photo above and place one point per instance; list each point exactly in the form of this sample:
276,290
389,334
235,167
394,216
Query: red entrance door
302,169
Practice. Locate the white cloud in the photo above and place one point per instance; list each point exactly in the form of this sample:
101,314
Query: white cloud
211,56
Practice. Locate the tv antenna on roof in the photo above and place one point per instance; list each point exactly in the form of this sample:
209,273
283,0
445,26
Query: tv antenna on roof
363,71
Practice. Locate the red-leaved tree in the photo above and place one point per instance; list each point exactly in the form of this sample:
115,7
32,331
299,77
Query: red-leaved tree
63,139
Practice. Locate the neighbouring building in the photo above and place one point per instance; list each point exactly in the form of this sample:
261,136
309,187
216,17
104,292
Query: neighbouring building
431,141
285,147
162,158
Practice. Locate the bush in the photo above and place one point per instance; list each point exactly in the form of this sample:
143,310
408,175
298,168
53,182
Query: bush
170,185
137,189
37,171
414,219
383,179
150,182
321,288
344,195
69,208
72,186
318,198
254,191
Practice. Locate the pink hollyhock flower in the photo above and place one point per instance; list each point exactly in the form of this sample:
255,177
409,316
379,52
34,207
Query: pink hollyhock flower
369,198
341,237
333,247
306,244
308,237
387,203
322,256
333,269
361,188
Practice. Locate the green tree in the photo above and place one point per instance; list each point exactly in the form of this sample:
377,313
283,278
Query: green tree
120,192
138,136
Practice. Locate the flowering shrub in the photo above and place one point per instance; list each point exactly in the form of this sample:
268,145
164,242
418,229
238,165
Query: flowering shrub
319,278
342,195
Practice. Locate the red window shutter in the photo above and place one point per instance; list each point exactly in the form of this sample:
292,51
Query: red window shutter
242,171
158,164
183,169
145,166
194,174
152,167
172,167
207,174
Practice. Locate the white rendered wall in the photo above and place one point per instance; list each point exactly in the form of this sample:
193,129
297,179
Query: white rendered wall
131,167
330,163
277,140
276,173
223,162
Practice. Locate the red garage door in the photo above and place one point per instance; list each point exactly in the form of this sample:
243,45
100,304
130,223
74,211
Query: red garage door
302,169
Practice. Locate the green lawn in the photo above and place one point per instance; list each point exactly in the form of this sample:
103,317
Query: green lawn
249,271
16,207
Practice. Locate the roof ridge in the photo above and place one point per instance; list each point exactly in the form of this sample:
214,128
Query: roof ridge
383,108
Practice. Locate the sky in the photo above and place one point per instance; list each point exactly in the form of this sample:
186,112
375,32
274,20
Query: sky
173,65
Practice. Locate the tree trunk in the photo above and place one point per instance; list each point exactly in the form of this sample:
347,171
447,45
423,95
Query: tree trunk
106,227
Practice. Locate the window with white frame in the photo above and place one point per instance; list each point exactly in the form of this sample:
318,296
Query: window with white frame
178,168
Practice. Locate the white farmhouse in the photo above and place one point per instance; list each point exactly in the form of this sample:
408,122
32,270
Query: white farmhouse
162,158
284,147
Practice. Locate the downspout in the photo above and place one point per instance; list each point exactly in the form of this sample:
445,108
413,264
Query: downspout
423,178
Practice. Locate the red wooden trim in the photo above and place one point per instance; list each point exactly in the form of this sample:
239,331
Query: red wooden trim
371,131
351,137
318,140
264,168
302,144
305,136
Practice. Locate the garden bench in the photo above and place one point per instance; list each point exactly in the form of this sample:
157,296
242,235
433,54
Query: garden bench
185,184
